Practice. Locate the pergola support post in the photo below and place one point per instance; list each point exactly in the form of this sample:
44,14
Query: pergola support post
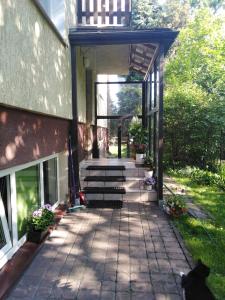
74,123
160,124
95,149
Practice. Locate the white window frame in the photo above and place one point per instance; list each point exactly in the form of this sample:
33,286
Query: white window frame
13,244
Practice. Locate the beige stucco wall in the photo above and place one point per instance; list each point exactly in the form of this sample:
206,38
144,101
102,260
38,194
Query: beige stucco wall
34,64
81,86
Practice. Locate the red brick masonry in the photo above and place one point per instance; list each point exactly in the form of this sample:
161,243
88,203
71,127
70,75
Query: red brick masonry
26,136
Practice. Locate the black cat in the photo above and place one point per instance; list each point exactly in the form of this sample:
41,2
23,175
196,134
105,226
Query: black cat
194,283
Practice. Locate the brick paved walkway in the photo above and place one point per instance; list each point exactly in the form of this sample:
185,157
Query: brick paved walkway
130,253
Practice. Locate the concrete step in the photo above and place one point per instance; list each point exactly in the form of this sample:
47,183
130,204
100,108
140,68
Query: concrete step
131,172
127,182
135,195
108,185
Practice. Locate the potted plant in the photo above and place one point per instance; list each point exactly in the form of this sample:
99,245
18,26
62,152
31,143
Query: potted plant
148,163
139,138
174,205
149,183
39,222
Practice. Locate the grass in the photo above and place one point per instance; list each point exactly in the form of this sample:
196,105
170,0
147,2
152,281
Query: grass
205,239
113,149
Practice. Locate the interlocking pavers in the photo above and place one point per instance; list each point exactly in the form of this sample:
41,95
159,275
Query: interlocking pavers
123,296
142,296
108,295
130,253
109,286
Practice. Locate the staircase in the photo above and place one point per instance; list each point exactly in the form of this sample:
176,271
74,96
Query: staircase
109,182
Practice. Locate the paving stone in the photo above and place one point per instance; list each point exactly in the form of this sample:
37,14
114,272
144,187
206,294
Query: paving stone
123,296
107,295
158,286
167,297
43,292
160,255
142,296
164,265
109,276
108,286
90,285
140,276
23,290
137,286
123,276
123,286
134,268
84,294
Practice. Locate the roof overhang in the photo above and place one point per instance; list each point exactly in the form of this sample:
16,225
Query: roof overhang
144,44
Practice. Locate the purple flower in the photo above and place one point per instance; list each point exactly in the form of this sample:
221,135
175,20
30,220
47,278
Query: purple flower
149,181
48,207
37,213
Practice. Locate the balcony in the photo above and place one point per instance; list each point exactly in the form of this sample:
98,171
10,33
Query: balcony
103,13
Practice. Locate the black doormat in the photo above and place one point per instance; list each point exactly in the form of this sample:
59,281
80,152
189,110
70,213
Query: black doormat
104,190
105,178
117,204
107,168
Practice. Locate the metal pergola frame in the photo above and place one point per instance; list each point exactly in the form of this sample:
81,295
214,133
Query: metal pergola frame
164,38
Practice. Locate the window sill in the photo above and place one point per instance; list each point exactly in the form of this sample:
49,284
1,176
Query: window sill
49,21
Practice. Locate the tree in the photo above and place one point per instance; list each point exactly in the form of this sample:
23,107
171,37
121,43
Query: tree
129,99
150,14
194,100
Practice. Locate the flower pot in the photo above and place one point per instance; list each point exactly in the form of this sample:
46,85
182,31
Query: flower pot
149,187
139,158
36,236
148,174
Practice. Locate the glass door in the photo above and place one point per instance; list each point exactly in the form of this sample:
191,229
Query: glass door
115,105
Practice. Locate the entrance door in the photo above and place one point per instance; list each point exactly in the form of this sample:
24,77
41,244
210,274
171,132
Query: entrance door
115,105
5,218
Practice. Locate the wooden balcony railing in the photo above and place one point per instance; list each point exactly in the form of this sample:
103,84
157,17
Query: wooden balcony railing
104,12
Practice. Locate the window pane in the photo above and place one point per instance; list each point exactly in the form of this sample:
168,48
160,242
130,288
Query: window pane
28,196
50,181
119,99
56,12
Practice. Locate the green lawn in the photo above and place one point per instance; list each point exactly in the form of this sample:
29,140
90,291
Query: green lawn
206,239
113,149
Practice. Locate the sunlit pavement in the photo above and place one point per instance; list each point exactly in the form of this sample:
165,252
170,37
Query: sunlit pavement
128,253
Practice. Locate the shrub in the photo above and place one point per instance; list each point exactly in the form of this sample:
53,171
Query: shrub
203,177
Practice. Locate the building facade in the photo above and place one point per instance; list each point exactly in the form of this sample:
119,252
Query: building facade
52,55
35,114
